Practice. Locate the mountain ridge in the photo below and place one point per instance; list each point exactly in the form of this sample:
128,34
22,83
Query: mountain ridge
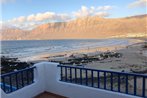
83,28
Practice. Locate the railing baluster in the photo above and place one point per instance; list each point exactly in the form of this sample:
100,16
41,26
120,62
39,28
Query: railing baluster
126,84
98,78
27,77
111,81
16,80
70,74
22,79
104,80
86,77
143,87
61,69
119,82
10,80
92,78
80,76
66,74
32,75
4,86
135,83
75,75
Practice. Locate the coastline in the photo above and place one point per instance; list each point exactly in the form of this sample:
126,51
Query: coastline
101,57
87,50
133,58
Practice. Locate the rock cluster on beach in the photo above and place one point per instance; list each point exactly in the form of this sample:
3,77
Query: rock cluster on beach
131,59
80,59
12,64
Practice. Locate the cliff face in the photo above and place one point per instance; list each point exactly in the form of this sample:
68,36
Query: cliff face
12,33
84,28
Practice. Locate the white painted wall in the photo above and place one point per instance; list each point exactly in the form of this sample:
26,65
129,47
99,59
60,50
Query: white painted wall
30,90
47,77
75,91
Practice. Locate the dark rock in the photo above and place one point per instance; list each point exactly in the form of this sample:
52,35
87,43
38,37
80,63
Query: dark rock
11,64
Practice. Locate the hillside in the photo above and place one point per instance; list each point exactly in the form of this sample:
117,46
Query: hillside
83,28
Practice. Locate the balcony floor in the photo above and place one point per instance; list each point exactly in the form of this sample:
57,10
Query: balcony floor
49,95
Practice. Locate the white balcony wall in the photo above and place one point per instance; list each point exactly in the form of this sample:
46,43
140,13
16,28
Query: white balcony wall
47,76
31,90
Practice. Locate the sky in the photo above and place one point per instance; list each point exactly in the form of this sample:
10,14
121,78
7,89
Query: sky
27,14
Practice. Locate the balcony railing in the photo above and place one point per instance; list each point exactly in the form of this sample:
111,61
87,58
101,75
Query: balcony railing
128,83
15,80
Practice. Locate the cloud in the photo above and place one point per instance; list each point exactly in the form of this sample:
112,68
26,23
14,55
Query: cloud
48,16
44,16
21,19
31,17
40,17
102,14
1,25
138,3
100,11
84,11
33,20
105,8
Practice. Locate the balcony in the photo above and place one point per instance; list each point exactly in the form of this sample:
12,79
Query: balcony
59,81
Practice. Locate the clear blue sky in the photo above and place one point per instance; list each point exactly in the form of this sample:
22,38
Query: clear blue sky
15,8
117,8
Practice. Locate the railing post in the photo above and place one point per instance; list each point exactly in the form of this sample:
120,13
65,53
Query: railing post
104,80
143,87
70,74
27,76
135,83
4,86
61,69
80,76
86,77
111,81
92,78
10,80
66,74
16,80
32,75
98,78
126,84
119,82
75,75
22,80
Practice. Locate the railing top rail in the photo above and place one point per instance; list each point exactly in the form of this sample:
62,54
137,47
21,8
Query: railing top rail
15,72
108,71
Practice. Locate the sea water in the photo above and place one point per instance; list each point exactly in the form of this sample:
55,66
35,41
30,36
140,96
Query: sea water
28,48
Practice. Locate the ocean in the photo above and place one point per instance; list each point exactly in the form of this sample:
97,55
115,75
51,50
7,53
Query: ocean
28,48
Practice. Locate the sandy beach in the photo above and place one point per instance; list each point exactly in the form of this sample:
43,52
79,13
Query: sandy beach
134,57
130,58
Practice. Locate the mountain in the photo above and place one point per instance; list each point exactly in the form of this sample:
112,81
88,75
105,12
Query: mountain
12,33
83,28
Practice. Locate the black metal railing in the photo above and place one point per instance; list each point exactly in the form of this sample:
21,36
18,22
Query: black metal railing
15,80
128,83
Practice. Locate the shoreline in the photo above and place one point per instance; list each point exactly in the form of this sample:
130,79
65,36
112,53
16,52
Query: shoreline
133,59
88,50
122,58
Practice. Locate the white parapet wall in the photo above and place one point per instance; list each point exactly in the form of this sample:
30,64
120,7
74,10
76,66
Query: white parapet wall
31,90
47,76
